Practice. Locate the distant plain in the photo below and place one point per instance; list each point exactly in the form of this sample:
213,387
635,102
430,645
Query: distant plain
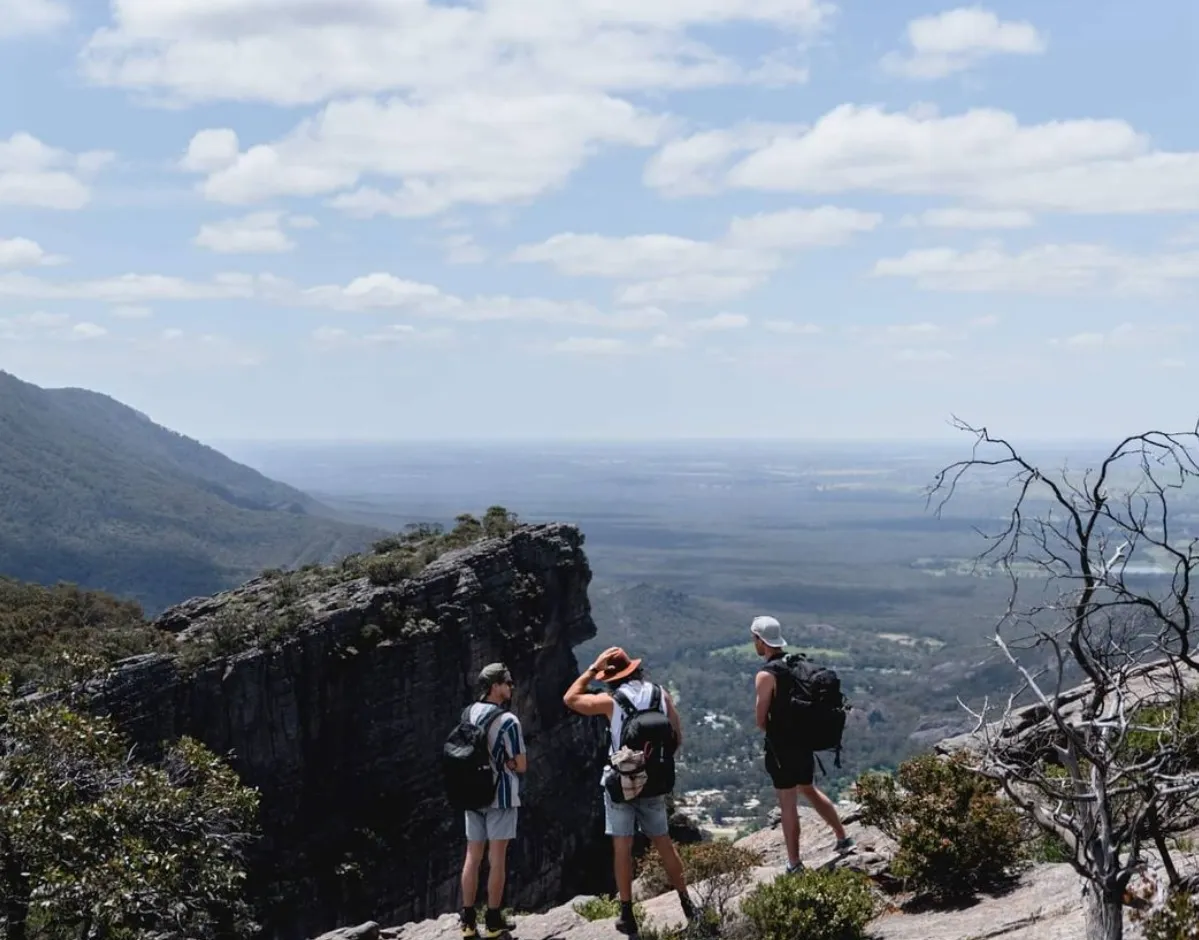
688,541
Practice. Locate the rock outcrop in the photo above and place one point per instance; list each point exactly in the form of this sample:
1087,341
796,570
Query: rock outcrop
339,721
1043,905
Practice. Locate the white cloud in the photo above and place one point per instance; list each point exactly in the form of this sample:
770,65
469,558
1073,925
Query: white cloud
590,345
923,355
1047,269
471,147
211,150
31,17
130,288
672,268
1161,337
88,331
378,292
792,328
720,323
35,175
310,51
983,156
17,253
692,166
960,39
302,221
42,325
461,248
256,233
391,334
126,312
971,219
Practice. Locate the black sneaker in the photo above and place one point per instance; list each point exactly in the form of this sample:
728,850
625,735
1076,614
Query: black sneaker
627,924
495,924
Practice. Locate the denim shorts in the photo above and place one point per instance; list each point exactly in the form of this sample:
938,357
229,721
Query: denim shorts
491,825
623,819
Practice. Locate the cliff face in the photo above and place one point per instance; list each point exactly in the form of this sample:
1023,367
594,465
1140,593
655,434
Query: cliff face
340,724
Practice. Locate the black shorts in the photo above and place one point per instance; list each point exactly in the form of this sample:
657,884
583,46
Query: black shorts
791,768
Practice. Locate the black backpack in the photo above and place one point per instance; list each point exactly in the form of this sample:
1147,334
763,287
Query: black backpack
470,776
809,709
649,731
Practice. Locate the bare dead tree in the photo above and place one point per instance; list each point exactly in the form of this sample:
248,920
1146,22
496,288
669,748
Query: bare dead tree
1111,766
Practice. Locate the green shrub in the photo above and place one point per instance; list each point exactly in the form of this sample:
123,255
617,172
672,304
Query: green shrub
814,905
1047,847
605,907
716,871
955,834
1176,919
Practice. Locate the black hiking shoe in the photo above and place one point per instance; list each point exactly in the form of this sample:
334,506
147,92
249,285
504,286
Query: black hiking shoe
495,924
627,922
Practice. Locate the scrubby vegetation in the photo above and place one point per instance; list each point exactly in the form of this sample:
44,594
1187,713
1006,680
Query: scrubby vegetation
1174,917
55,635
50,635
605,907
279,602
955,833
816,905
717,872
94,844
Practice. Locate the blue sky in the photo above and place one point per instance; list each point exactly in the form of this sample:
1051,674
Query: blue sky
398,219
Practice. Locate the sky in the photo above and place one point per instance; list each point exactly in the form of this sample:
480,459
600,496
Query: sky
605,219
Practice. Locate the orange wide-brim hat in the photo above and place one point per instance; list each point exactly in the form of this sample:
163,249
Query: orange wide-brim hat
619,666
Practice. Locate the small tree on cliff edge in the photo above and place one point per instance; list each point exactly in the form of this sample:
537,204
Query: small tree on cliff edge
1113,771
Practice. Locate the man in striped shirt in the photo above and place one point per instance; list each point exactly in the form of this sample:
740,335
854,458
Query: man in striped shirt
492,829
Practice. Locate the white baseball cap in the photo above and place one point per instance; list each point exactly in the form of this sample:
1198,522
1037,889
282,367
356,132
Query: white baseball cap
769,631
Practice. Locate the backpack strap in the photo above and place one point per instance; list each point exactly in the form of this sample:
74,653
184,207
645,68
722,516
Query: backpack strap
655,699
489,719
625,703
622,702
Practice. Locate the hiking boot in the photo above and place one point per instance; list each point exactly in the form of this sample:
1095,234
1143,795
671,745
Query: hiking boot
844,845
466,923
627,922
495,924
797,869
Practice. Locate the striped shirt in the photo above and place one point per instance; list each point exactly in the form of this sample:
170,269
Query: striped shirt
506,742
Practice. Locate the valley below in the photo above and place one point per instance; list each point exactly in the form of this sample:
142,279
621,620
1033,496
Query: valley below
688,542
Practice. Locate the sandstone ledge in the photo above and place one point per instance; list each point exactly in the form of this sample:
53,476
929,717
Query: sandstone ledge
1044,905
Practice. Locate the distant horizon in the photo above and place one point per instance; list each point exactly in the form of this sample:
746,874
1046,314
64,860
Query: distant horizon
948,439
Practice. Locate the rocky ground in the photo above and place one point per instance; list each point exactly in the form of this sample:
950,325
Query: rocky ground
1044,905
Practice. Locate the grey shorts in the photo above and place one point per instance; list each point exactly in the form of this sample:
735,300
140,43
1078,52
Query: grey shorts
623,819
491,825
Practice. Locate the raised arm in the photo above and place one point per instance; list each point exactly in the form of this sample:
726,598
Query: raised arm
578,699
764,693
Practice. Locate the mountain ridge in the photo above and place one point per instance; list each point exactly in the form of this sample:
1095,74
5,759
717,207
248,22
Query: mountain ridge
96,493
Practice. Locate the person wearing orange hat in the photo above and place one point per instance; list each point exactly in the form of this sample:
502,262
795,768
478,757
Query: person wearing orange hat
636,696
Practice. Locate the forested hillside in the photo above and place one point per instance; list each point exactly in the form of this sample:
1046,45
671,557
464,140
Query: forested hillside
95,493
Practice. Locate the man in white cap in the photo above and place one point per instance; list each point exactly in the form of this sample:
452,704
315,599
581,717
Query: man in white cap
791,768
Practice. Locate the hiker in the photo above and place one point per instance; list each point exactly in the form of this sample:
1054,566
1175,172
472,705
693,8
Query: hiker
644,734
790,764
491,827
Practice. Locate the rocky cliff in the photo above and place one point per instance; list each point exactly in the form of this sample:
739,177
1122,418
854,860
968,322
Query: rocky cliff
1043,904
337,714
